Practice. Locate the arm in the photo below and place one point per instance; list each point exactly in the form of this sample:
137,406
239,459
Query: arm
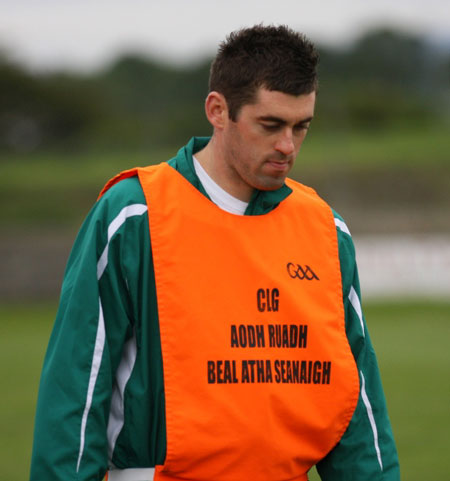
95,320
367,449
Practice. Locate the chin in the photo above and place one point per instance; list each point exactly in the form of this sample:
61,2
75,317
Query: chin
269,186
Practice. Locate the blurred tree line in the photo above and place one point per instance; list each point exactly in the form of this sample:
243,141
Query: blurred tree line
386,79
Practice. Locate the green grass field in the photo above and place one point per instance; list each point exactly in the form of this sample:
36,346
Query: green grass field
411,340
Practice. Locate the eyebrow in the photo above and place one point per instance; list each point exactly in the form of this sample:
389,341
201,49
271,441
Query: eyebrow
278,120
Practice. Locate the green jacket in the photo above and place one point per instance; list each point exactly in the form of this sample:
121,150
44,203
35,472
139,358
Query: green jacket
101,396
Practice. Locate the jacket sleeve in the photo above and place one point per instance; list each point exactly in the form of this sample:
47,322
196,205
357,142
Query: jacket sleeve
94,321
367,451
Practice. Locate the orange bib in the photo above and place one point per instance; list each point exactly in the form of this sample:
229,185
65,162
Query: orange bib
260,382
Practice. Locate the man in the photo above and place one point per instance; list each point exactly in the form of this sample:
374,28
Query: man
210,324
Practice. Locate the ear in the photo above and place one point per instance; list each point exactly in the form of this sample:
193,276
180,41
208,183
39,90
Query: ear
216,110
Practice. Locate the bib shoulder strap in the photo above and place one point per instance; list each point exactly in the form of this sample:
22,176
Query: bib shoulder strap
125,175
304,190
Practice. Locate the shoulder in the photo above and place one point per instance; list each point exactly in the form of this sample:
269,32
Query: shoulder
343,232
344,235
300,189
124,197
346,252
125,192
113,211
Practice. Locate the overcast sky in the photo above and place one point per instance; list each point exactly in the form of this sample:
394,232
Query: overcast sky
84,34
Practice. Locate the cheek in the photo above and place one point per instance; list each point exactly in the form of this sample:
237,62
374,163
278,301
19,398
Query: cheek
300,140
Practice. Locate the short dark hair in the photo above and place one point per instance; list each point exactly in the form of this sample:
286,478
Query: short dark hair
273,57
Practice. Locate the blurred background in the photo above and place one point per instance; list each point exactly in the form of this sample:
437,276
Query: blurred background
87,90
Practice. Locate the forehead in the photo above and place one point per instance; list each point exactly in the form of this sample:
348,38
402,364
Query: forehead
272,103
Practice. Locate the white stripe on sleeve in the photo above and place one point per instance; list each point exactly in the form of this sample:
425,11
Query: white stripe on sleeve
95,367
128,211
117,414
366,401
355,302
342,226
114,226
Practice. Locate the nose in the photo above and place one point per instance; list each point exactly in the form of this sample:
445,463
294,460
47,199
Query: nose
285,143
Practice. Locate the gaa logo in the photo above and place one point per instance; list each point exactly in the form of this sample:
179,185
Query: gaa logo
296,271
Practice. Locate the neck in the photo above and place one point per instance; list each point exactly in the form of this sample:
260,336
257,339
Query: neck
211,158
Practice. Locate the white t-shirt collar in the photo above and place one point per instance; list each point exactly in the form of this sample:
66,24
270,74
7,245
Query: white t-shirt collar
219,196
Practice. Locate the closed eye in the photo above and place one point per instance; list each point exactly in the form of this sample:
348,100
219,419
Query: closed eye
301,127
271,127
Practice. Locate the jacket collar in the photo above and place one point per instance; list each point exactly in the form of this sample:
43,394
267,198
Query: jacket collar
261,202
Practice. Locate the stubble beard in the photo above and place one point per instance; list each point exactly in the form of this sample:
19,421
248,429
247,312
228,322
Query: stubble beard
259,178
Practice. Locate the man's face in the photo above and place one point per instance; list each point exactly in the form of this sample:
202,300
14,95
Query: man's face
261,145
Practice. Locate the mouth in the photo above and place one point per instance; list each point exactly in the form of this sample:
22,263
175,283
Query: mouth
279,165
